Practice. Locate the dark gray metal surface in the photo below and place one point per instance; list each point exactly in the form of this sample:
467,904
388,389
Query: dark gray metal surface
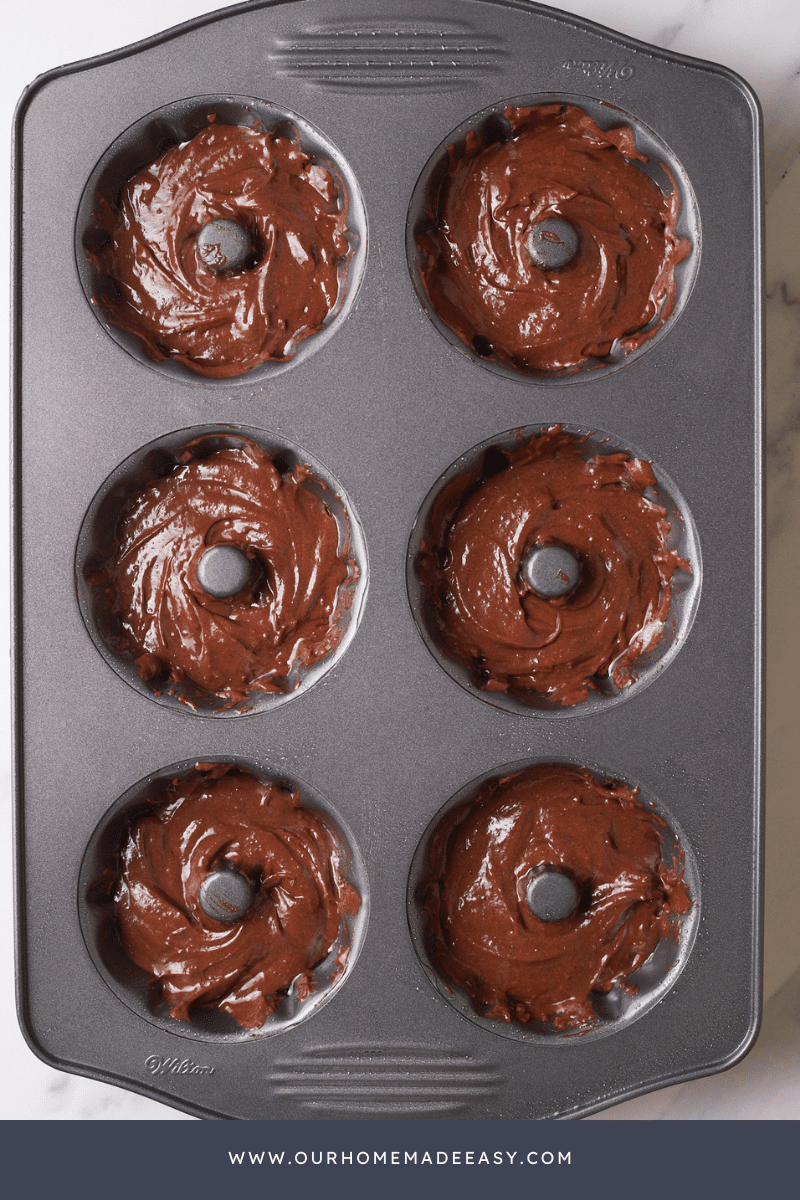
387,405
224,245
551,570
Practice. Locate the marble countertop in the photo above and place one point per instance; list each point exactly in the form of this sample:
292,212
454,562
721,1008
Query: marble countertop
762,43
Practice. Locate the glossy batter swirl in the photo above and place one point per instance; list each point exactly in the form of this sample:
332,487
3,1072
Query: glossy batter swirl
479,275
481,931
288,616
223,818
224,323
549,491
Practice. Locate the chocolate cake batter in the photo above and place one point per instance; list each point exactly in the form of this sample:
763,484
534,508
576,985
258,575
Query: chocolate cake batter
224,322
224,818
480,928
479,274
552,490
288,615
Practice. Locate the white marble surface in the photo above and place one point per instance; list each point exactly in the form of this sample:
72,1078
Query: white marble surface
761,41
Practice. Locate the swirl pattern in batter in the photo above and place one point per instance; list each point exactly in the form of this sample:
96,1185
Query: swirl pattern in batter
481,931
475,263
224,818
224,323
289,614
548,491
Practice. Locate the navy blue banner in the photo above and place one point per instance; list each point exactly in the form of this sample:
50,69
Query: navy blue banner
141,1160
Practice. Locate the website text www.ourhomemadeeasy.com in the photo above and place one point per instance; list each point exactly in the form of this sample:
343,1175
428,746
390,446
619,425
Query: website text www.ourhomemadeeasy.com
399,1158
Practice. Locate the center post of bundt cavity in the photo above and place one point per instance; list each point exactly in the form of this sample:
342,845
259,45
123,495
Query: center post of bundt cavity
223,571
551,895
551,243
224,245
551,571
225,895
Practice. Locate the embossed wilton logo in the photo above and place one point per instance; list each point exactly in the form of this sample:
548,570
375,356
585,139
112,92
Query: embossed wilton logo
597,69
157,1065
